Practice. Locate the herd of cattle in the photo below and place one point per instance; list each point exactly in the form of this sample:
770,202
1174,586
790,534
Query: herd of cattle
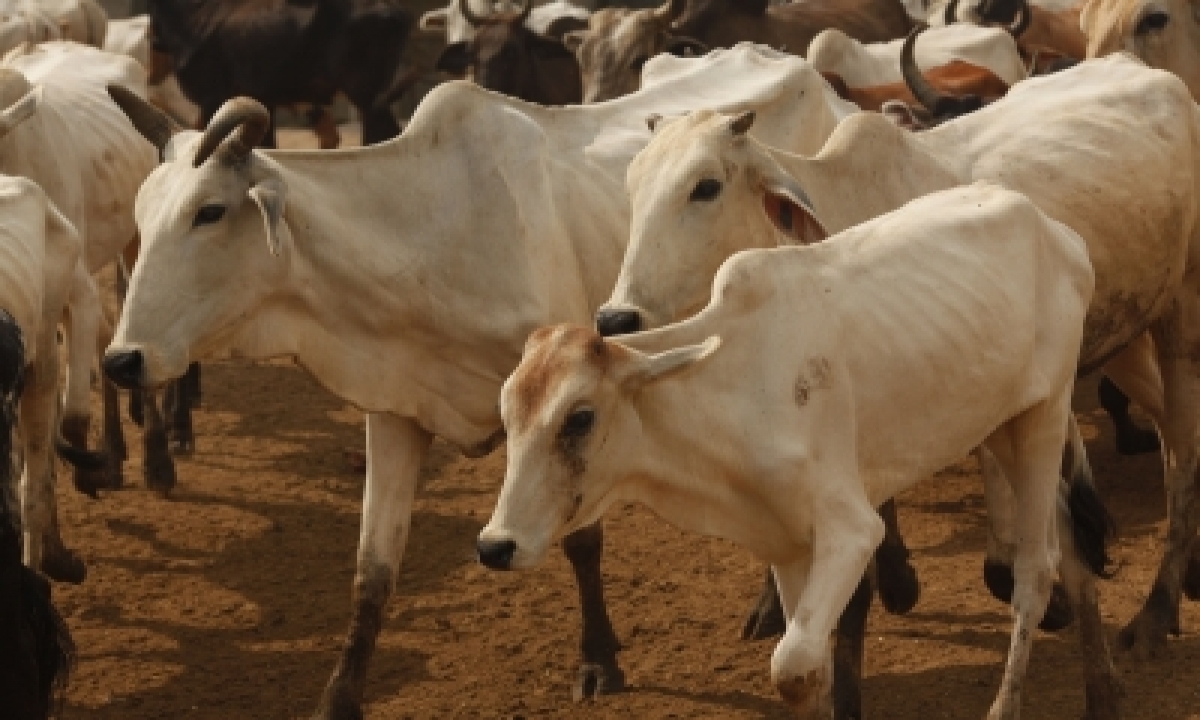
713,279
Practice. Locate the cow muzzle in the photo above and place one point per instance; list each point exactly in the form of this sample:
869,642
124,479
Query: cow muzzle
125,368
611,322
496,554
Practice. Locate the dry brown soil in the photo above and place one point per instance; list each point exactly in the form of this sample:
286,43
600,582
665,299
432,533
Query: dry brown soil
230,599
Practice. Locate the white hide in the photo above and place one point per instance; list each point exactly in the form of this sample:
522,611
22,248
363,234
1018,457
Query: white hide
82,21
871,64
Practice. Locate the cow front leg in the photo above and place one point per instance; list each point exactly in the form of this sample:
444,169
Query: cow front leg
844,538
83,330
1131,439
848,648
158,465
395,449
599,672
767,618
180,401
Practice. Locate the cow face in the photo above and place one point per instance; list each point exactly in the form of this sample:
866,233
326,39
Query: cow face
214,246
573,437
617,43
700,191
1165,34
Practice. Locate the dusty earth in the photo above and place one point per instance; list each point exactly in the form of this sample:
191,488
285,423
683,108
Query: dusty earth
230,599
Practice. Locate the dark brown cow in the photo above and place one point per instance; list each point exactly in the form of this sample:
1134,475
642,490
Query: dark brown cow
508,57
300,51
617,42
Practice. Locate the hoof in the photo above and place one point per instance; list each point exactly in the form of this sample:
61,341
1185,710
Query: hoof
183,448
63,565
766,619
337,704
1191,577
1059,613
1145,637
1104,697
1133,440
897,582
999,580
159,474
597,679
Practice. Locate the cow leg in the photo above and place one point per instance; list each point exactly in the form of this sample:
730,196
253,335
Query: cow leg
599,673
83,330
1029,455
179,402
395,449
848,653
845,534
767,618
112,436
158,466
896,578
1131,439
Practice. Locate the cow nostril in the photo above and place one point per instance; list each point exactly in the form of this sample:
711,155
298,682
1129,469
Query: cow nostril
496,554
618,322
124,369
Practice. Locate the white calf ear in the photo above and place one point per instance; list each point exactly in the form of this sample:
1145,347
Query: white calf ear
269,196
20,111
791,212
641,369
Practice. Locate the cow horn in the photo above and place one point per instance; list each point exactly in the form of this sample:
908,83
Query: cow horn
1024,18
925,93
154,124
464,7
670,11
951,15
236,129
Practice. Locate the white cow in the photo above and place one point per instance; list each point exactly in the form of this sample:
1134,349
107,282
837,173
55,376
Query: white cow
1056,139
778,417
406,276
861,64
82,152
26,25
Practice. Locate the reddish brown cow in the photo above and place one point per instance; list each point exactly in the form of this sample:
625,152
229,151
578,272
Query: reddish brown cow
956,78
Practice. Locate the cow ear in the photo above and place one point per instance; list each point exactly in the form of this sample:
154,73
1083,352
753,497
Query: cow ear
270,196
434,21
904,115
454,59
791,212
685,47
573,40
639,369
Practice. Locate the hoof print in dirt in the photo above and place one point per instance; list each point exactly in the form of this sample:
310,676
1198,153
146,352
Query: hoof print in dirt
596,679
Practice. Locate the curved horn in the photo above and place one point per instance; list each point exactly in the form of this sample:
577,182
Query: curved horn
925,93
464,7
1024,19
154,124
243,121
951,15
670,11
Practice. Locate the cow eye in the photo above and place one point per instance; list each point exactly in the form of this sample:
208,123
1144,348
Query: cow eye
705,190
1153,22
579,423
638,62
208,215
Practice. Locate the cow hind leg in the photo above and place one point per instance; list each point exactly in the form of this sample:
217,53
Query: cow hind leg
1131,439
395,450
766,618
599,672
158,465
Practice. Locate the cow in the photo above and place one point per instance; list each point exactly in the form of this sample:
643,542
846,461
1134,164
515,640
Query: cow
774,418
34,641
617,43
1164,34
550,19
82,21
83,153
26,25
415,311
1027,140
294,53
1039,30
508,57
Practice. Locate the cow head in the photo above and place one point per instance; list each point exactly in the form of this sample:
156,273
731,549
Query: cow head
619,41
1165,34
700,191
572,437
504,55
213,233
937,107
451,22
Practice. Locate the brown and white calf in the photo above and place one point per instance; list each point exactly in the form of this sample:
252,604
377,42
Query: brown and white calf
774,418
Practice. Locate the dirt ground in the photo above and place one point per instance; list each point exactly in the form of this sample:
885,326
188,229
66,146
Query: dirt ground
230,600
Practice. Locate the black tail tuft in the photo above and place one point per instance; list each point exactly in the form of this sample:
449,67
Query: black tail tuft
80,458
1092,527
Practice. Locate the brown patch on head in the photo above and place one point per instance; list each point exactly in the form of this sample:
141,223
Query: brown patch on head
549,353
